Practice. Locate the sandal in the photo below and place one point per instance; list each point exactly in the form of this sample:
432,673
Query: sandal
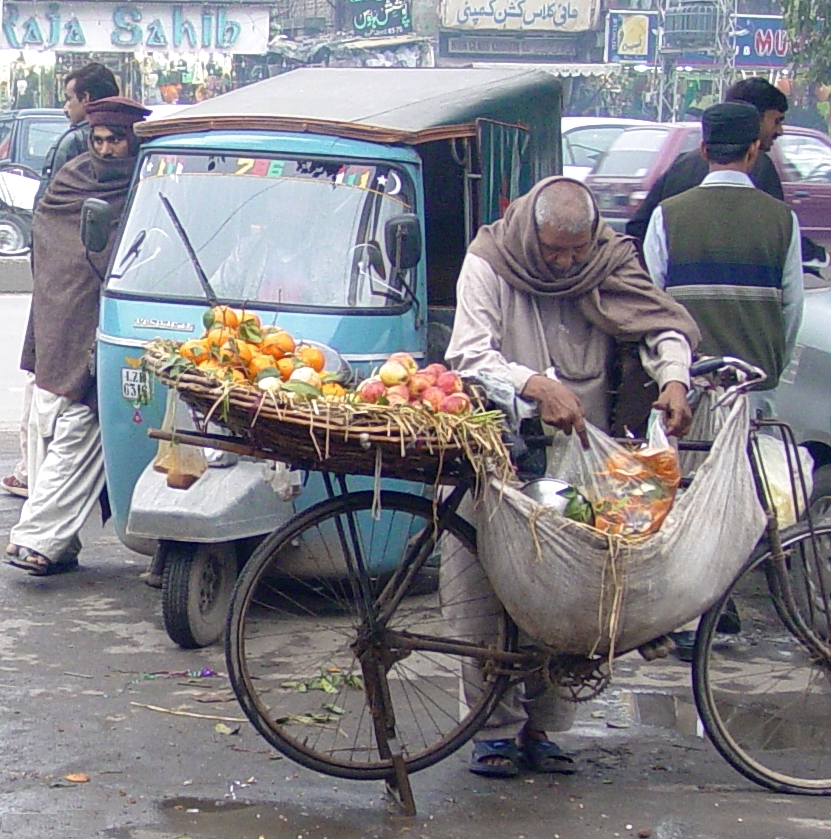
40,566
545,756
15,487
507,750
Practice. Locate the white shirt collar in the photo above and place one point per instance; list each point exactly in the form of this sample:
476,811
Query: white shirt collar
727,177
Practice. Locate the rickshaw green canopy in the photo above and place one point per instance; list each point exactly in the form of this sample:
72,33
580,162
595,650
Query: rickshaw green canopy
386,105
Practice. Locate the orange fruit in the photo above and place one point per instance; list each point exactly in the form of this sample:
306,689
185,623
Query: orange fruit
259,363
333,389
218,335
237,376
277,344
226,316
235,349
286,366
194,350
249,317
312,357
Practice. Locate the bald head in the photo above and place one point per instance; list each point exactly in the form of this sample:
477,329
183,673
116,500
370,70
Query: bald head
566,206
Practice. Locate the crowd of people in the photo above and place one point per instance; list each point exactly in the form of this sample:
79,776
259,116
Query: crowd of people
547,298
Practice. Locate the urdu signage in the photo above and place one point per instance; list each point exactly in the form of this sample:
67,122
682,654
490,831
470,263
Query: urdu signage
520,15
761,41
380,17
114,27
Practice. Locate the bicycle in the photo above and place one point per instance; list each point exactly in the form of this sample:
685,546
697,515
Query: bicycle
355,673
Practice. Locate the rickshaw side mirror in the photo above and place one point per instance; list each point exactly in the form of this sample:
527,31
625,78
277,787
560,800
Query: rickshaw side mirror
402,240
96,224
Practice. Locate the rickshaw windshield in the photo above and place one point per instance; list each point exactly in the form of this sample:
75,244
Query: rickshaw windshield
285,231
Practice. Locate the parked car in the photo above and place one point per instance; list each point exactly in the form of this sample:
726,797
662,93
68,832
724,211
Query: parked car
640,155
585,139
25,139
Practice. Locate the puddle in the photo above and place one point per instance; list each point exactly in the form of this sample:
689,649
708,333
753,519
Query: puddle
201,805
622,708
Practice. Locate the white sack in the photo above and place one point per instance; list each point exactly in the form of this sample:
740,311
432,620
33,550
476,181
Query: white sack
562,594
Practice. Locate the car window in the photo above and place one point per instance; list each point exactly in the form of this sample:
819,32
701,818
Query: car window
691,142
632,153
5,138
805,159
38,137
584,146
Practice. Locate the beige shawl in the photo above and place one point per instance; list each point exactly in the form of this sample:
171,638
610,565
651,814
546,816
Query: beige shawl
611,290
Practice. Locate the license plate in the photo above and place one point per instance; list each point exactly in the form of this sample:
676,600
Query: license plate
135,385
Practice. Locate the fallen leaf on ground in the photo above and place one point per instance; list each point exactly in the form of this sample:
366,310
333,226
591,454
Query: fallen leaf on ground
221,728
77,777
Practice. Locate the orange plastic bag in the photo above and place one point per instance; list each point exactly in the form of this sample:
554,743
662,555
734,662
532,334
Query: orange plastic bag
631,491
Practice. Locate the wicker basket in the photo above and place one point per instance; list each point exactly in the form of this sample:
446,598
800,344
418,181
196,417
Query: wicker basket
340,437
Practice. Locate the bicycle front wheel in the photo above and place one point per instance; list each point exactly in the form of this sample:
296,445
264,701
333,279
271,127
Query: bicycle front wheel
762,684
326,606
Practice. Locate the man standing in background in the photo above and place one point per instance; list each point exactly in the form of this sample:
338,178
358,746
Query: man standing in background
86,84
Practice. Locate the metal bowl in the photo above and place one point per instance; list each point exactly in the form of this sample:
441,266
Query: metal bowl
546,491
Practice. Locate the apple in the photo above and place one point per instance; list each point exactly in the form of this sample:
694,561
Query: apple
406,361
398,395
393,373
455,403
435,369
449,383
433,397
419,382
371,390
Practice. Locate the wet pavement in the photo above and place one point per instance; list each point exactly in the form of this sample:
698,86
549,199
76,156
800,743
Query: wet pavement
110,730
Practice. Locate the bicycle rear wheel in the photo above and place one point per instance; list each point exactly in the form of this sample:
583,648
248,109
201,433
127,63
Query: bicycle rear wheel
763,690
306,634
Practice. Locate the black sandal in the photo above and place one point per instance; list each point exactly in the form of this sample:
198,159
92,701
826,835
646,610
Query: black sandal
506,749
40,566
545,757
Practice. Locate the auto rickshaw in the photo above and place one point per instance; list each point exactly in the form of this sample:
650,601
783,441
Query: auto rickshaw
280,198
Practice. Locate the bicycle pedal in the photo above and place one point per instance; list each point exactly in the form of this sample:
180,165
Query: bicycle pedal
657,648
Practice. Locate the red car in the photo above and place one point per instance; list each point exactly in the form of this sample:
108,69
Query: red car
639,156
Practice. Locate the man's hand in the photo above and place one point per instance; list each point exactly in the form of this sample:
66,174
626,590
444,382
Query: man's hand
558,406
673,402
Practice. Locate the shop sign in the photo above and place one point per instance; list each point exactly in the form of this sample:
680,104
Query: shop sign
631,38
761,41
380,17
521,15
106,27
487,47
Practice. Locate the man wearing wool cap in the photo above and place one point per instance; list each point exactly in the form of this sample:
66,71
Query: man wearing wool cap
731,253
66,466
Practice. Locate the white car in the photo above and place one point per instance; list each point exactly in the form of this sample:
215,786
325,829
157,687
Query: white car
585,139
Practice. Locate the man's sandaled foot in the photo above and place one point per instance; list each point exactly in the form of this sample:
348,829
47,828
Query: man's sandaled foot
12,550
541,755
11,485
495,758
40,566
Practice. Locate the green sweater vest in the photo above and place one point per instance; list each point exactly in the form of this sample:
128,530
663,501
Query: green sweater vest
727,249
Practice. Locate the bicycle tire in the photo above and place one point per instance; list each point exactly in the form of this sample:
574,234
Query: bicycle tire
273,665
763,691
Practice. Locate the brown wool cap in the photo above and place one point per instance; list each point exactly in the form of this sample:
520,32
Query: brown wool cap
116,111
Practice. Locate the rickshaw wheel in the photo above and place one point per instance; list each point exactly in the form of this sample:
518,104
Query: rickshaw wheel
196,591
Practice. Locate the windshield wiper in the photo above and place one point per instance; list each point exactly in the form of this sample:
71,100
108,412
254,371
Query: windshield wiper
210,295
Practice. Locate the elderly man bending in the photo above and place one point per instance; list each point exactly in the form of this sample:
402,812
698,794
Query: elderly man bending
66,466
544,297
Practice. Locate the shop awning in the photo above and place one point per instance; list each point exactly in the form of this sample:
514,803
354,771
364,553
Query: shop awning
560,70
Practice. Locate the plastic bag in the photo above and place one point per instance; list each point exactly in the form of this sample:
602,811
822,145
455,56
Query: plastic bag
631,491
777,476
184,465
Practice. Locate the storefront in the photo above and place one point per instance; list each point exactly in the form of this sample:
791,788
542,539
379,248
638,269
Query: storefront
160,52
532,31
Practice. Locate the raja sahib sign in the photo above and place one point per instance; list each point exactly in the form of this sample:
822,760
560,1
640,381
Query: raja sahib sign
520,15
109,27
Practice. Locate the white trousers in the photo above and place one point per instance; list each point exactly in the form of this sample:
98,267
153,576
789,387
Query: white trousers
471,608
21,471
66,474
